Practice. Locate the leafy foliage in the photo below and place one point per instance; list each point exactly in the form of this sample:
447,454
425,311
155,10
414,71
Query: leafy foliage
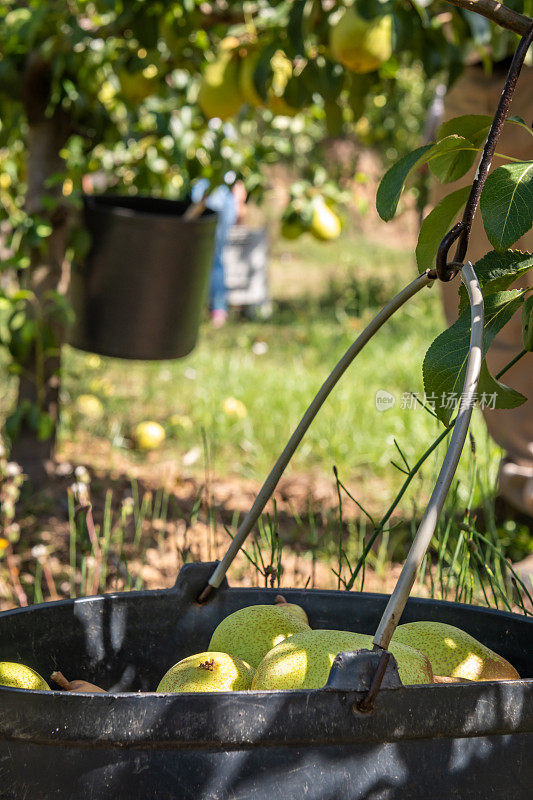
507,209
445,362
436,225
497,271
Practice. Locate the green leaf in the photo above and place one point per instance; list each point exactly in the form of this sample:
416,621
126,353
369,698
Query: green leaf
359,89
474,127
519,121
14,421
43,230
263,71
45,426
448,159
334,118
497,271
391,185
451,158
295,26
445,361
436,225
507,203
494,394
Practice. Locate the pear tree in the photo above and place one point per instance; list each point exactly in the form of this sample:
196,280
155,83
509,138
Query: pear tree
149,96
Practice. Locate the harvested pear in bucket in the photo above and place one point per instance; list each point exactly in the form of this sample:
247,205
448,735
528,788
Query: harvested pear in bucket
207,672
251,632
454,653
291,608
304,660
19,676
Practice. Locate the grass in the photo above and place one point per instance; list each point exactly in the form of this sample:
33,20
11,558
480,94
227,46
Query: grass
465,561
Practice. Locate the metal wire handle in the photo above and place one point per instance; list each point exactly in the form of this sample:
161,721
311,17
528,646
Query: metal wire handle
426,529
279,467
395,606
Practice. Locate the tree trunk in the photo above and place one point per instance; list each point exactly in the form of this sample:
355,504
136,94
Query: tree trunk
46,137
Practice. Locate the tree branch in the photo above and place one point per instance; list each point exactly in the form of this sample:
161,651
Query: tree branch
498,13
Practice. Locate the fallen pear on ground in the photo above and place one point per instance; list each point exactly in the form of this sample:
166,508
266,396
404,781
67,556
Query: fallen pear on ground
148,435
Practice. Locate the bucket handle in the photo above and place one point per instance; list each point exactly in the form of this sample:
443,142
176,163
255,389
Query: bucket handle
279,467
398,599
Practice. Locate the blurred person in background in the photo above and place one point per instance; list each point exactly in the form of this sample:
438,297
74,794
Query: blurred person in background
478,91
228,201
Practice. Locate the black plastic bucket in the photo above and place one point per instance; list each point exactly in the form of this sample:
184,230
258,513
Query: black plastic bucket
142,288
433,742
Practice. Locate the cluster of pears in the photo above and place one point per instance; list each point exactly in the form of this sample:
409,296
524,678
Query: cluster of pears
228,82
272,647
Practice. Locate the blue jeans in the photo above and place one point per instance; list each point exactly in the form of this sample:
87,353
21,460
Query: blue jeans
222,201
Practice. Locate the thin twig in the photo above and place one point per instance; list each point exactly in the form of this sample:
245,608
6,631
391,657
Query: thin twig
511,363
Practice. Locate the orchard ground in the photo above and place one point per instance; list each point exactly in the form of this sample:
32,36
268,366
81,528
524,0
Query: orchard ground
182,501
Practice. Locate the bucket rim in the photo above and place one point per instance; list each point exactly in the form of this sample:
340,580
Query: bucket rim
98,203
293,592
248,719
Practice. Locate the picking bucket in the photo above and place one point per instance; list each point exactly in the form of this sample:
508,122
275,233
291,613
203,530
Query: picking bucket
431,742
142,288
363,736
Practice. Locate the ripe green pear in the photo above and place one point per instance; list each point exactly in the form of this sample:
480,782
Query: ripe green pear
361,45
291,608
251,632
454,653
207,672
19,676
304,660
220,93
325,224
